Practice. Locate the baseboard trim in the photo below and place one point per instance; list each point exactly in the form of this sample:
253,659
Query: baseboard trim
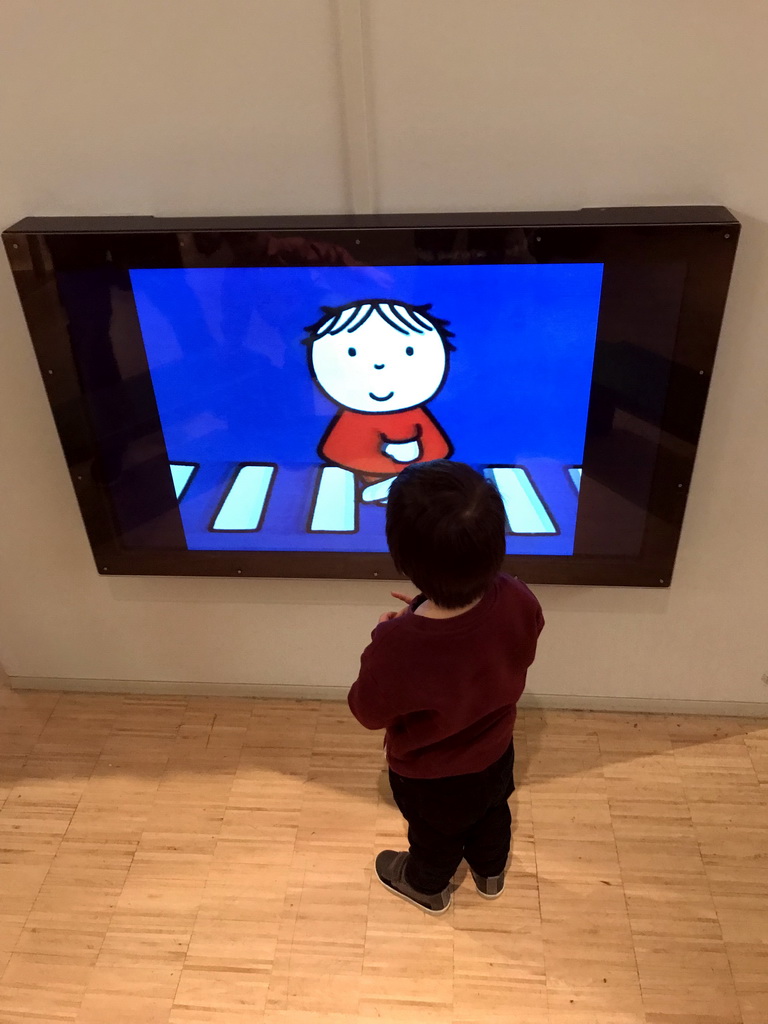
645,705
183,688
545,701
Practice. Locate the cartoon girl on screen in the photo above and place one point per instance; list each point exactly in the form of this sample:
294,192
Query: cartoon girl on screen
380,361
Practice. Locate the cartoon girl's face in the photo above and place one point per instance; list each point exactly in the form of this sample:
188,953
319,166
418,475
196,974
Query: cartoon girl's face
378,369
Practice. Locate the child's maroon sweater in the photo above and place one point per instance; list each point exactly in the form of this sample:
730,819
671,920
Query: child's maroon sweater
446,690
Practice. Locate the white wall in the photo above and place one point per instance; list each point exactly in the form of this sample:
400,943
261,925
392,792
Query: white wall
187,106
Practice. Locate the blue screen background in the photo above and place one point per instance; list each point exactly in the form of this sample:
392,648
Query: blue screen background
230,374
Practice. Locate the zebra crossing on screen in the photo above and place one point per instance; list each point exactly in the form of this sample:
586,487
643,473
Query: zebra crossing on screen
335,503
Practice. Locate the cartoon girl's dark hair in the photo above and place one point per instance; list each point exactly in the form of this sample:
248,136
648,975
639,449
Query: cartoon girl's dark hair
404,317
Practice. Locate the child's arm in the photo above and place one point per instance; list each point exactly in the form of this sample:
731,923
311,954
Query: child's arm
388,616
368,700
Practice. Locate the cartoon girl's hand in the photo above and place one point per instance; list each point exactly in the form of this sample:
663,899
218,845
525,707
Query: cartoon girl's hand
403,451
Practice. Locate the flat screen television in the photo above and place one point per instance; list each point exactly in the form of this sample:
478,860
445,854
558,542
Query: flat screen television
234,396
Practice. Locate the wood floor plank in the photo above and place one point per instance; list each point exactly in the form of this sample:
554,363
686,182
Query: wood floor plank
177,860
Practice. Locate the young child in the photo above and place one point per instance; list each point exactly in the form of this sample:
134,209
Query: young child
443,677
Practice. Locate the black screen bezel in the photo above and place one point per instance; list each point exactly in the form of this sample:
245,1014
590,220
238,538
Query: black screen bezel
704,238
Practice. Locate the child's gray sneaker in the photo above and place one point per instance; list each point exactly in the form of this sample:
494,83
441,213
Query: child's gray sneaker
390,870
489,888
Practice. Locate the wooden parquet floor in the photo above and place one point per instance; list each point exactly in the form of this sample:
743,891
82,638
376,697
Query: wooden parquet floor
171,860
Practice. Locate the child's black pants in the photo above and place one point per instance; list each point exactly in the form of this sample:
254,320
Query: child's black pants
462,816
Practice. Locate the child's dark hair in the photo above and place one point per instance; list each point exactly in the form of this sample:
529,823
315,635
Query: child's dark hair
446,531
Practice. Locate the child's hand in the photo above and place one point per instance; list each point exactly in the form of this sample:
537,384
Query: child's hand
388,616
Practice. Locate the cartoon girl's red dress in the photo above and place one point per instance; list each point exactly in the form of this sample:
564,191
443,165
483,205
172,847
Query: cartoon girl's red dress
357,440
